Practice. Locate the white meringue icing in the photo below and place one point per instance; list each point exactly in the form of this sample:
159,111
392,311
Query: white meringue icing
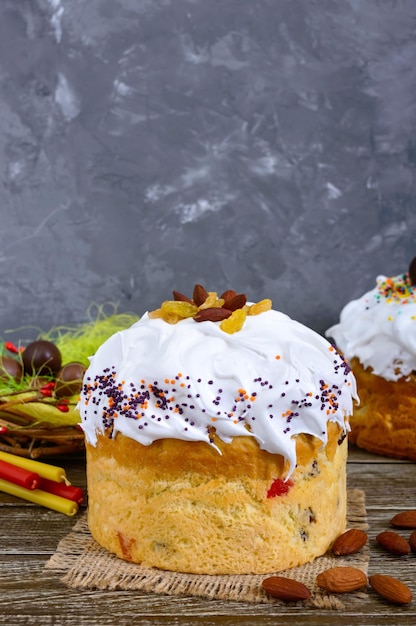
271,380
379,328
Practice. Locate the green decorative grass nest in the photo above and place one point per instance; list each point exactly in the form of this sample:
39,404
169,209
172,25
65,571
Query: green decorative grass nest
40,384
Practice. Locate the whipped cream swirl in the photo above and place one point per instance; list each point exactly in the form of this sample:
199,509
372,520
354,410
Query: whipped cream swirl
380,328
273,379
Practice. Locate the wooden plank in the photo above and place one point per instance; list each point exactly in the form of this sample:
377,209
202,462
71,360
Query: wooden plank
358,455
391,486
32,595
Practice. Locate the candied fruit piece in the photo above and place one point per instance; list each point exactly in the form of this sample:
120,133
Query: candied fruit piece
171,318
235,322
260,307
180,308
212,301
279,487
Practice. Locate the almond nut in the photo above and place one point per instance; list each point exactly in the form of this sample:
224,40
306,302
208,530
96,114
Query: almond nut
405,519
228,295
393,542
412,541
285,589
180,297
200,295
237,302
213,314
349,542
341,579
391,588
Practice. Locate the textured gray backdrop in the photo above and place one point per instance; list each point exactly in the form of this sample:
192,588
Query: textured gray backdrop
146,145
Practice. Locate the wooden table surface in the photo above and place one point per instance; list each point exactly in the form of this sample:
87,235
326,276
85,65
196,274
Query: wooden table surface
32,595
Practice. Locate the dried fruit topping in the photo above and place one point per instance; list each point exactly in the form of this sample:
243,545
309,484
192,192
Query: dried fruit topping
405,519
172,311
393,542
212,301
181,308
390,588
235,322
349,542
285,589
169,318
260,307
207,306
341,579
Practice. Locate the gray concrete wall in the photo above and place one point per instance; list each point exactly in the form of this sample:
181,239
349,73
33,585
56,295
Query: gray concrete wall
145,145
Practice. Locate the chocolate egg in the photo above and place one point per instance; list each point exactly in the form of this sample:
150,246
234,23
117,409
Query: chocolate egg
69,380
41,357
10,368
412,271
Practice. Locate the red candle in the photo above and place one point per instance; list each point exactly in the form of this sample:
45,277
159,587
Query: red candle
19,476
60,489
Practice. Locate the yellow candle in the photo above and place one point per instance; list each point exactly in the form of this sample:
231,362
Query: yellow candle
57,503
43,469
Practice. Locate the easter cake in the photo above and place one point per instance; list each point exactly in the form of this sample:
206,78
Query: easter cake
377,335
216,438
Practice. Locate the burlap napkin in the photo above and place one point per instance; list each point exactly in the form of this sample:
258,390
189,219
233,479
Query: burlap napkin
83,564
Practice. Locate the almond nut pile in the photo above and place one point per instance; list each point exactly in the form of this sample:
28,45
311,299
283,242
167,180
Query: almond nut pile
230,308
347,579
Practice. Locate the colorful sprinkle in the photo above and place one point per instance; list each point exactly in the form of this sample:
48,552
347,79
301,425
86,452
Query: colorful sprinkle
397,289
155,402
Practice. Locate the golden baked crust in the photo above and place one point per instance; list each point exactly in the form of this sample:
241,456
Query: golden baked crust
385,421
179,505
